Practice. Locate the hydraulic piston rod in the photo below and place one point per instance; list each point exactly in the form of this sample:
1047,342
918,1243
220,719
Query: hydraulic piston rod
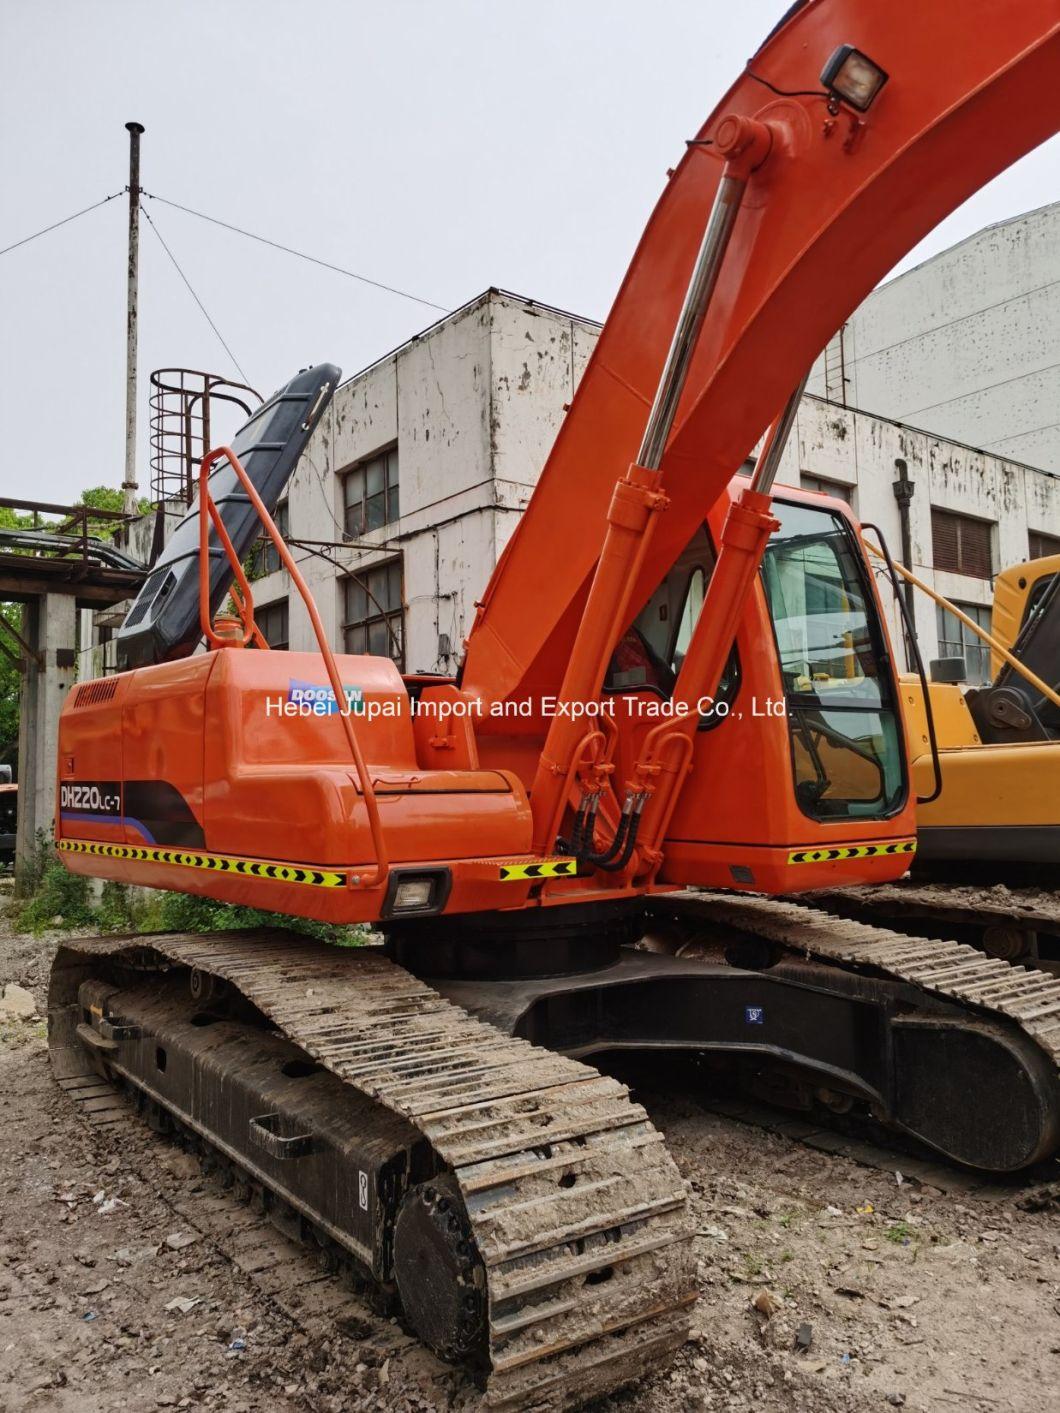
666,755
768,463
697,299
745,144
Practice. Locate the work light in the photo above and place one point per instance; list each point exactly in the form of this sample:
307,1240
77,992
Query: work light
853,77
416,891
413,894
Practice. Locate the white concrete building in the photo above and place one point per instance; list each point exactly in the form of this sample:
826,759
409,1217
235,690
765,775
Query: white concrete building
966,345
970,513
427,458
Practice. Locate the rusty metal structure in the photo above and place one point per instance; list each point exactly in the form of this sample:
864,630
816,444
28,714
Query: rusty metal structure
65,555
183,402
54,561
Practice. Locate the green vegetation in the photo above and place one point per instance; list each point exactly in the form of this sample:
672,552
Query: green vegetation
107,498
52,897
183,912
901,1233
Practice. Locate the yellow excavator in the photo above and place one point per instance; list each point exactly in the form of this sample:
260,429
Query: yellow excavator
999,744
986,765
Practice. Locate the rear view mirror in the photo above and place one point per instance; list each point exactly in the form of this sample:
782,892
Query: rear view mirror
948,669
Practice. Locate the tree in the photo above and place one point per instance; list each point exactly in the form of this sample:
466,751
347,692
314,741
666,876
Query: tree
106,498
10,686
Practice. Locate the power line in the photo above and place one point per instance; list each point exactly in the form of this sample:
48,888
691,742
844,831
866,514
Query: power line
313,260
64,222
191,291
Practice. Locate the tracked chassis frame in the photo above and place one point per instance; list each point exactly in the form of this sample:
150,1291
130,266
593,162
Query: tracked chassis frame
1016,922
515,1202
524,1209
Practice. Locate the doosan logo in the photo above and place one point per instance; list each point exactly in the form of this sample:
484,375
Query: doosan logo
313,697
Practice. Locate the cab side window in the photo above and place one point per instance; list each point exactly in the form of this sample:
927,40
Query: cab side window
653,649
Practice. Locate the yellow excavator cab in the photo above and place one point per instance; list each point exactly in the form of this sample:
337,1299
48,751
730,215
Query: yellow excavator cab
998,744
1018,591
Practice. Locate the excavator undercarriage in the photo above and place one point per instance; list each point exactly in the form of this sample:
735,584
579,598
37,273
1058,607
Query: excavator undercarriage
517,1202
451,1141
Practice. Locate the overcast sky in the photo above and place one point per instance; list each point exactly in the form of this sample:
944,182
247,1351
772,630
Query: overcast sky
441,146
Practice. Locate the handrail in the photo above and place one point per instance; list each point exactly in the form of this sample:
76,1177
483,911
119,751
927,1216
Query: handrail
918,658
377,875
242,595
1036,682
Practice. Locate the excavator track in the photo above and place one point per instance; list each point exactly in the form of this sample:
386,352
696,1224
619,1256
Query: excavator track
1016,924
575,1211
1023,996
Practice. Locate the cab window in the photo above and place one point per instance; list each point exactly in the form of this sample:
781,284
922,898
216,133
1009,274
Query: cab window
653,649
845,736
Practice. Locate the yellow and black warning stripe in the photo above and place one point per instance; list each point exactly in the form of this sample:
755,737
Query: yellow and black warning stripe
542,868
852,851
213,863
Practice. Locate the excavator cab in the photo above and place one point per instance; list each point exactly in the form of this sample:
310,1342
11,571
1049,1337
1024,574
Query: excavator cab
798,764
1026,620
1020,592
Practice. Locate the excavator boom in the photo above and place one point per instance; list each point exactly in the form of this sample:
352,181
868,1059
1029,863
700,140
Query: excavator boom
840,198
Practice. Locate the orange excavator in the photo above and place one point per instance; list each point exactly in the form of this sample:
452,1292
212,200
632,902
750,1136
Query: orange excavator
678,698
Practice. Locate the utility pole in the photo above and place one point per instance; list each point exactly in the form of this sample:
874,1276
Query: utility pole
129,485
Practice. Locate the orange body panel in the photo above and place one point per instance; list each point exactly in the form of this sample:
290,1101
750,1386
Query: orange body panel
298,769
239,756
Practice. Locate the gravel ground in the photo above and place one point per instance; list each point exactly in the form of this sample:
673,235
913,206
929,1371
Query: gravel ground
906,1296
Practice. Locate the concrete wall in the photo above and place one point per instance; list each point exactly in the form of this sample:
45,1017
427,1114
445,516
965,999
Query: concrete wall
860,452
966,345
49,626
474,404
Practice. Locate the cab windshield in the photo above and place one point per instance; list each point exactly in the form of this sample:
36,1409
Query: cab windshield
846,746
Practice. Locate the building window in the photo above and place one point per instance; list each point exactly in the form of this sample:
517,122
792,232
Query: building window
272,621
266,557
370,494
1042,545
373,621
961,544
826,487
956,639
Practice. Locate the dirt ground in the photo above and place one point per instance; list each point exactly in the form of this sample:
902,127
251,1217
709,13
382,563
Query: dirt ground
907,1295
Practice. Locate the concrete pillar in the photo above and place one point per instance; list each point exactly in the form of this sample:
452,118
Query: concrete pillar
50,629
